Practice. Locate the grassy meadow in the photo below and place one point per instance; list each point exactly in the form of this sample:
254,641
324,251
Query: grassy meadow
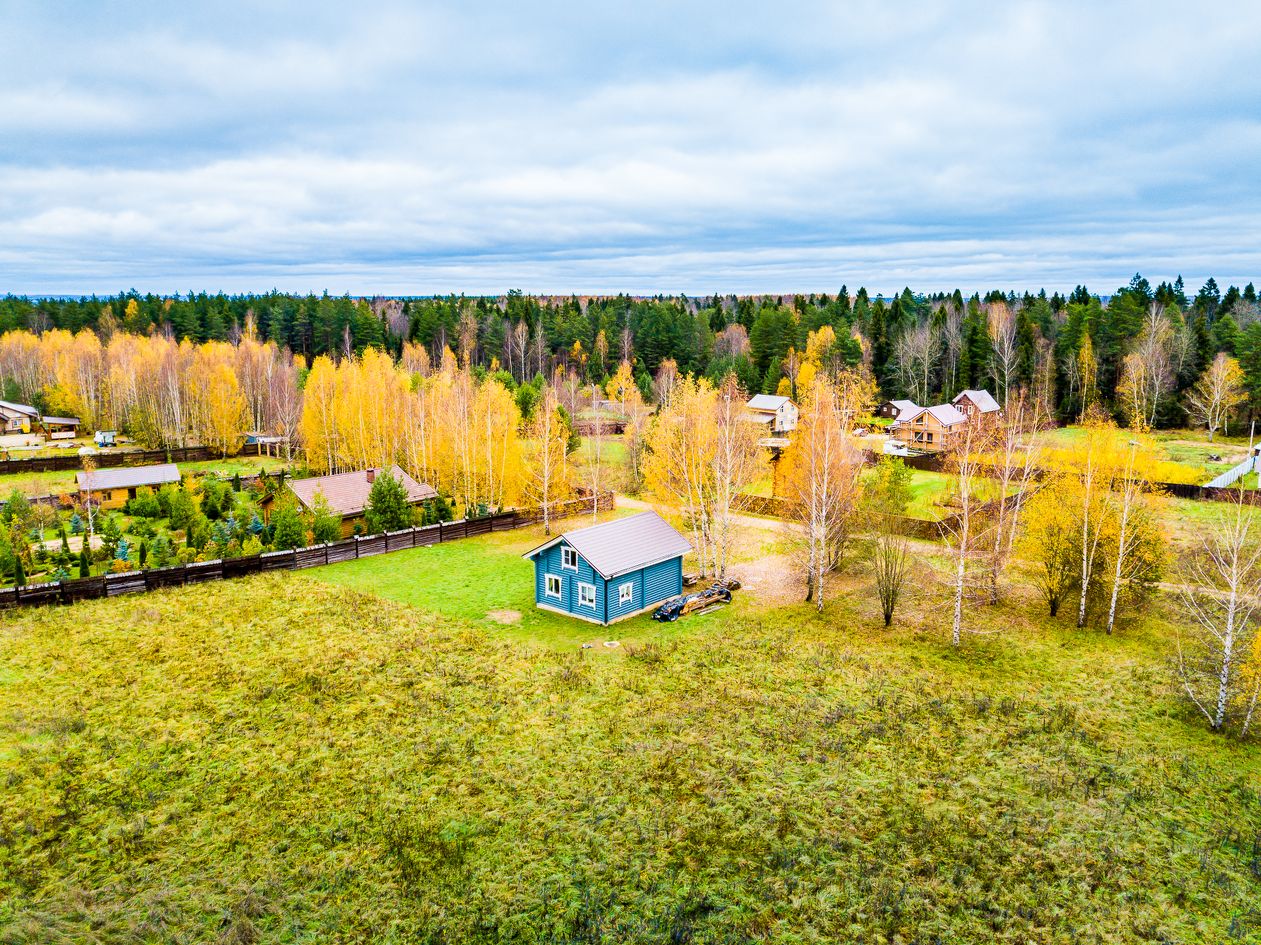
361,753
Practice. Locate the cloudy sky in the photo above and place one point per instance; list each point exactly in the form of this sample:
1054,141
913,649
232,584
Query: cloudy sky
654,146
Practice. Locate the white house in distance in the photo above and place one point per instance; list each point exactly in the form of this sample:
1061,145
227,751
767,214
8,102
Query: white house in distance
778,413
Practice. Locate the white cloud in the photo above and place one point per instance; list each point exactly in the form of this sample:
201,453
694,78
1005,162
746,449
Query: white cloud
661,147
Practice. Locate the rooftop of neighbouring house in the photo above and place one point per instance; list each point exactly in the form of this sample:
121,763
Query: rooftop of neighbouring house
983,400
128,477
19,408
770,402
945,414
347,493
623,545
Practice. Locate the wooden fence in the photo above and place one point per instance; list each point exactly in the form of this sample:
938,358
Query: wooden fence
135,582
179,454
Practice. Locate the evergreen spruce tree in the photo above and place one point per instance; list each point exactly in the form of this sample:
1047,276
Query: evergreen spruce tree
388,509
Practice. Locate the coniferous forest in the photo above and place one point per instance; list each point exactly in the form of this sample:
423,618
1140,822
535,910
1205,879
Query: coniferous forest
1137,348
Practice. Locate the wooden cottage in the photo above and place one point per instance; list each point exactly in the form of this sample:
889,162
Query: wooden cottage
346,494
608,572
778,414
111,488
977,404
929,429
892,409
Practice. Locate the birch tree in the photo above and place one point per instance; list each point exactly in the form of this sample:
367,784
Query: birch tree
1048,539
1127,497
548,482
681,447
1090,462
1220,601
738,462
965,527
1217,393
917,353
1017,442
823,482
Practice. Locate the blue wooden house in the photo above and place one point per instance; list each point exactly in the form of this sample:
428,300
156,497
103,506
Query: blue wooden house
610,571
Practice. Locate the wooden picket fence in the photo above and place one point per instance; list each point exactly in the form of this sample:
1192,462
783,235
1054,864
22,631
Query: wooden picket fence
136,582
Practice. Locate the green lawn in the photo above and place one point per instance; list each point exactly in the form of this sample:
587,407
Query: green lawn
1187,451
927,490
286,759
486,582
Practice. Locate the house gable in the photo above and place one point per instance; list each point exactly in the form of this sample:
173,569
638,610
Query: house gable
561,571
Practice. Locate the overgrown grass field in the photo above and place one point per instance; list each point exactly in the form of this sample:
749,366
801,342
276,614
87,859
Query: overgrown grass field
290,758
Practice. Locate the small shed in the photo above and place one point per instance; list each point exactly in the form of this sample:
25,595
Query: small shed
608,572
61,428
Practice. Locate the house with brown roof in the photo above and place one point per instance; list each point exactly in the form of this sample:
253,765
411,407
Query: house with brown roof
929,429
346,494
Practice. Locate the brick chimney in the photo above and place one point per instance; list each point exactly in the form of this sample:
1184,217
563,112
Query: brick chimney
372,474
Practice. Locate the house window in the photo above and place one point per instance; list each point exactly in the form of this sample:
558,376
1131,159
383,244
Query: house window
569,559
586,595
626,592
930,437
552,588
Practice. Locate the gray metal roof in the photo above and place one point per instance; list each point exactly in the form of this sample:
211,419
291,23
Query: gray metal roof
626,544
129,477
64,421
770,402
983,399
946,414
20,408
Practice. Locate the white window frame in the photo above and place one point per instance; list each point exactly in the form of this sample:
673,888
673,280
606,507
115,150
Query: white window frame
626,593
547,586
583,591
566,554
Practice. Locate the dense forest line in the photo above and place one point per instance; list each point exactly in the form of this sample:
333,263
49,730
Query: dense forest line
1136,351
